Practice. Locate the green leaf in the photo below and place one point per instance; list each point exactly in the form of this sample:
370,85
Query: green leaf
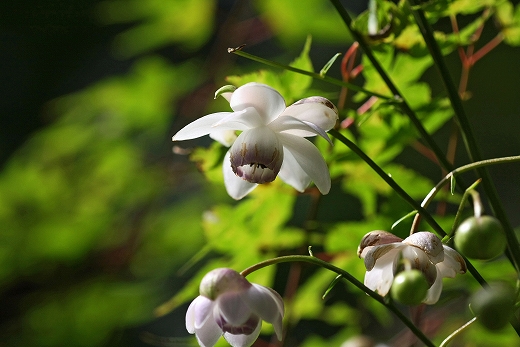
157,23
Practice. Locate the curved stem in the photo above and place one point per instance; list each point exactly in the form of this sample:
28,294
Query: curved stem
390,84
310,73
456,332
465,168
316,261
467,133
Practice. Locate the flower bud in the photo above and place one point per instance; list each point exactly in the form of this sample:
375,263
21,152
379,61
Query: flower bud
220,281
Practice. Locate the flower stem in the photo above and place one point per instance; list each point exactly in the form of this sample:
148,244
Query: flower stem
458,215
393,184
316,261
405,107
310,73
456,332
466,131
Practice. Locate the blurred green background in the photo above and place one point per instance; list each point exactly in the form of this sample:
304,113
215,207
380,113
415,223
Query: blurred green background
99,218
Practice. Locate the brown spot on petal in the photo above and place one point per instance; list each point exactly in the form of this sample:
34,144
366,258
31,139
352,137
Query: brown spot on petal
319,100
376,238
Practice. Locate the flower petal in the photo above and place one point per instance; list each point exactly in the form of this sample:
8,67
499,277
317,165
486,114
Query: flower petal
199,127
236,187
292,173
375,238
309,158
241,120
224,136
234,308
190,317
434,292
267,101
427,242
202,311
381,276
297,127
376,252
208,335
453,263
243,340
316,110
268,304
200,320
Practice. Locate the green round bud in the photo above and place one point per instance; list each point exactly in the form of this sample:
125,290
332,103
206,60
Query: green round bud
480,238
494,305
409,287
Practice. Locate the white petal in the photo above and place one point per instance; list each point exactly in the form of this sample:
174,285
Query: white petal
309,158
429,243
190,317
297,127
268,304
200,314
236,187
234,308
315,109
292,173
378,252
208,335
199,127
453,263
380,278
241,120
202,311
243,340
225,137
375,238
267,101
434,292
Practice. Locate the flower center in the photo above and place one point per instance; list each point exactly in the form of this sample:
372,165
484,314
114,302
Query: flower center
245,328
257,155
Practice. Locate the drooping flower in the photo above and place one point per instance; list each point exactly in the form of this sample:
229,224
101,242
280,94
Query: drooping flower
271,141
424,251
229,305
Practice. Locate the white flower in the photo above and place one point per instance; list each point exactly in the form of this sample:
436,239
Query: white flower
231,306
383,251
271,142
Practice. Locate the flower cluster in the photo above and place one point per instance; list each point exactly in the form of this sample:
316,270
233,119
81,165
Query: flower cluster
271,142
382,252
231,306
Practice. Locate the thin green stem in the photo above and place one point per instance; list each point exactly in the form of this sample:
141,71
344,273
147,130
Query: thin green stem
311,74
397,188
394,90
316,261
458,215
465,168
456,332
390,181
467,132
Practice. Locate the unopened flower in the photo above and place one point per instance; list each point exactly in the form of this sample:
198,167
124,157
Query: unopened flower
231,306
271,141
424,251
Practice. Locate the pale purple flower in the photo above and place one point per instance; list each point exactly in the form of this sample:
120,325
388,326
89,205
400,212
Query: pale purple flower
231,306
424,251
271,141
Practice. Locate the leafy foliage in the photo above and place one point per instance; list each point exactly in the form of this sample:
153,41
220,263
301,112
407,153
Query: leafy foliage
101,228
